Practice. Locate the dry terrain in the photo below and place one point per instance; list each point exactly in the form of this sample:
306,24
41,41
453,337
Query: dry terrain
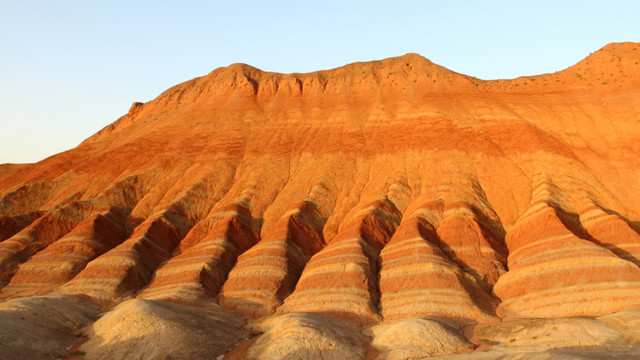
382,210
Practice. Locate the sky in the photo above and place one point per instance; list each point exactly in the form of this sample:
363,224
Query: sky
69,68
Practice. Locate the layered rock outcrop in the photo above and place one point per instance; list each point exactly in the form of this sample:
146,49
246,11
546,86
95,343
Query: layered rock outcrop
340,207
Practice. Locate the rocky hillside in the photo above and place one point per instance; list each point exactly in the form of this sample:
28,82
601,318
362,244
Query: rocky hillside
386,209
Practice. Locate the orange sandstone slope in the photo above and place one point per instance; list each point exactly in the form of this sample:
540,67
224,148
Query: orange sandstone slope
383,190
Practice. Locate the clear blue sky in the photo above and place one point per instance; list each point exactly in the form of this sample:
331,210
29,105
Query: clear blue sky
69,68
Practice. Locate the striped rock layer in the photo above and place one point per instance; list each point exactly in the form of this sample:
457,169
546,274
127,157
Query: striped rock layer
390,190
566,272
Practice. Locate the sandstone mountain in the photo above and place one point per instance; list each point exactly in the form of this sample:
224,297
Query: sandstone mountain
387,209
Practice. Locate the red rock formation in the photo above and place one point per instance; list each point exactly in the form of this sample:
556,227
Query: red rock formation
418,279
611,231
267,273
39,235
385,190
199,271
10,225
64,259
341,279
555,272
129,266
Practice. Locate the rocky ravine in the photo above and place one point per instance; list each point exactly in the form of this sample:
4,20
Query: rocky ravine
390,209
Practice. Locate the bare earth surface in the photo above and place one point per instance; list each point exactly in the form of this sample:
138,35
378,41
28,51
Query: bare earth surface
382,210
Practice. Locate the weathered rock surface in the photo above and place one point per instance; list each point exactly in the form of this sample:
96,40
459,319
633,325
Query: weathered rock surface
43,327
606,337
554,272
341,278
415,338
418,279
147,329
335,210
306,336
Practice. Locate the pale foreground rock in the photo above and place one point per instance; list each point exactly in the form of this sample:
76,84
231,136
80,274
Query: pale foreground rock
416,338
42,327
306,336
144,329
613,336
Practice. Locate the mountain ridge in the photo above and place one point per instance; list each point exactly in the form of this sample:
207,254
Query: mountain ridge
352,203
